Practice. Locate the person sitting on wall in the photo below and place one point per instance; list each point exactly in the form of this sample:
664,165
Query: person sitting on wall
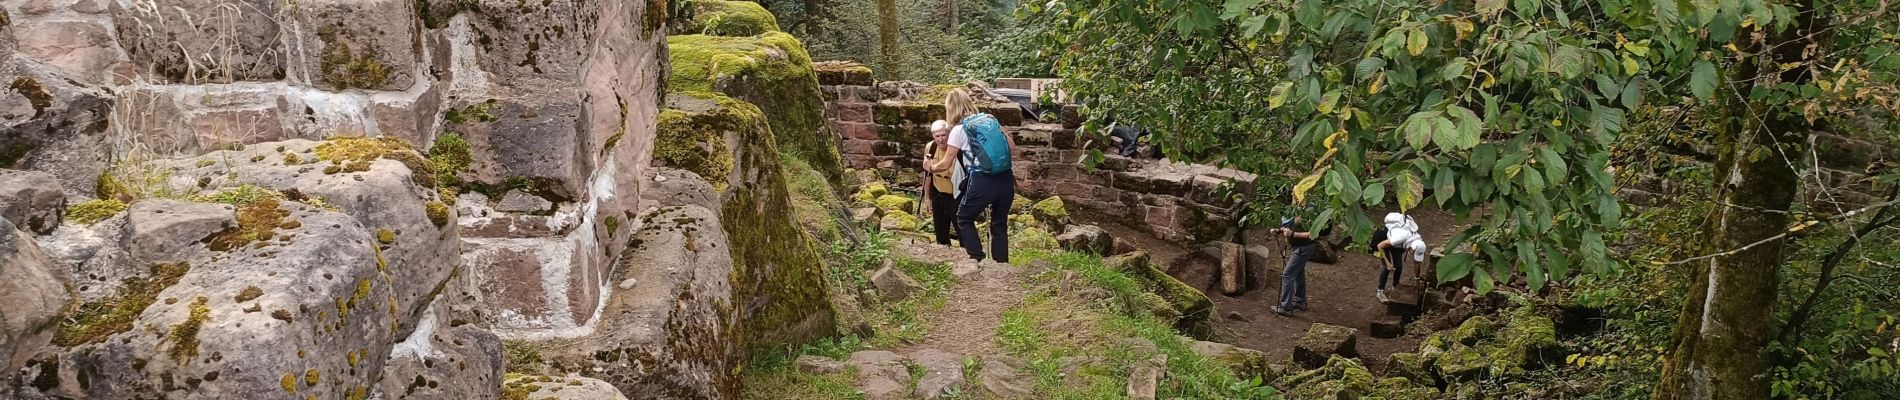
943,189
979,145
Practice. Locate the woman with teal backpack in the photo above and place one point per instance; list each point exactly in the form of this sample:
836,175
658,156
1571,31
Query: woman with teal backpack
985,151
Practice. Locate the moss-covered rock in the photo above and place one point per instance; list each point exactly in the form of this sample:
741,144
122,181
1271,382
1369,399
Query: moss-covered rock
1461,364
1527,341
1052,211
1339,378
1032,237
1411,366
771,71
723,18
898,220
893,202
91,211
842,73
694,131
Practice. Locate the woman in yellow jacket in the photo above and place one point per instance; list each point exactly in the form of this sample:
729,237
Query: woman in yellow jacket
942,190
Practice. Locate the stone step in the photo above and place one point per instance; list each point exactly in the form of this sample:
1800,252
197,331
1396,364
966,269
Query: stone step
1388,327
1404,301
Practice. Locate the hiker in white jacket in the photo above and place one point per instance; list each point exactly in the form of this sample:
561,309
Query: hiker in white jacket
1401,234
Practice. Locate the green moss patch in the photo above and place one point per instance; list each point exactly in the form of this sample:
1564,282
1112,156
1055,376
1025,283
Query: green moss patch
356,153
772,71
184,336
692,133
727,18
96,320
258,222
438,213
348,68
92,211
449,156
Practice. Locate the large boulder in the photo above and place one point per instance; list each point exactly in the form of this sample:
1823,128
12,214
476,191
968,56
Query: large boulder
671,327
1323,341
881,374
770,70
356,44
722,18
1086,238
293,300
450,355
33,199
893,284
1335,378
31,297
1245,362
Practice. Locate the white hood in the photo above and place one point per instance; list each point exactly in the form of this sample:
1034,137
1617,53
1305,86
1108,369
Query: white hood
1402,231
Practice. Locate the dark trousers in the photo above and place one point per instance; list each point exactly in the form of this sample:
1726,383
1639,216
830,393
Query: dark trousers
1397,258
943,215
986,192
1293,278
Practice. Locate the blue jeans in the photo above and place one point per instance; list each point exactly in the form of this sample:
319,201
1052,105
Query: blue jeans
1293,279
986,192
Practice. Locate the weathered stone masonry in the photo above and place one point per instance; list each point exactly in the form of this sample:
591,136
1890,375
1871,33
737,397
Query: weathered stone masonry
885,129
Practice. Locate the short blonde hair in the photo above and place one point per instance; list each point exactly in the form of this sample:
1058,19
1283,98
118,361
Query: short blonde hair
957,105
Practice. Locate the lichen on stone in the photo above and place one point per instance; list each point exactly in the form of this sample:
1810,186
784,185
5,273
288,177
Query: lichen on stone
438,213
92,211
96,320
385,236
478,112
249,293
357,153
1050,210
893,202
35,94
348,68
257,222
184,336
449,156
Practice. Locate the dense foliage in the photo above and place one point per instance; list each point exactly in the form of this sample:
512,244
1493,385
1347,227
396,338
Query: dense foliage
930,50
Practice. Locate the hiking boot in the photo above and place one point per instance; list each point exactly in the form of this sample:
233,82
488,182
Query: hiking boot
1299,307
1382,298
1281,312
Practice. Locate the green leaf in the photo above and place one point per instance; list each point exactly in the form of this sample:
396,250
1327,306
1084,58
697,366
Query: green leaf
1410,190
1554,166
1703,79
1367,67
1444,185
1236,8
1277,96
1253,25
1311,13
1453,267
1568,62
1416,41
1704,11
1469,128
1328,101
1481,279
1606,120
1418,128
1375,194
1445,133
1490,7
1558,260
1528,8
1596,257
1533,182
1527,257
1668,12
1633,93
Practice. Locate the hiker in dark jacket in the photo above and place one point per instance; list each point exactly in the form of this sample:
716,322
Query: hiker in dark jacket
982,190
1301,246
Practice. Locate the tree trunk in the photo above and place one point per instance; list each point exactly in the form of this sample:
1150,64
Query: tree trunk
1727,319
887,38
950,14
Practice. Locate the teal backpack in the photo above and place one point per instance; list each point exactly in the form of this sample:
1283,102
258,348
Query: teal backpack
989,149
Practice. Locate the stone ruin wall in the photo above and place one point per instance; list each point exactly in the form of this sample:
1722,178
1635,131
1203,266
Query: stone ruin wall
885,129
537,90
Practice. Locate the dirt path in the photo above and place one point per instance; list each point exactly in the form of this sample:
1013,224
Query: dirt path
973,307
1338,294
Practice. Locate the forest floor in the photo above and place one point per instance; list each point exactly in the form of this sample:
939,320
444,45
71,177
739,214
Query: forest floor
1340,293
